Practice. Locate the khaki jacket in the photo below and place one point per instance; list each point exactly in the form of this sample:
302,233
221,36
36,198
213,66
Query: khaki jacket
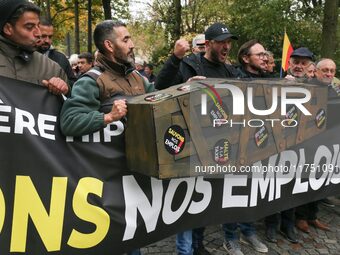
33,67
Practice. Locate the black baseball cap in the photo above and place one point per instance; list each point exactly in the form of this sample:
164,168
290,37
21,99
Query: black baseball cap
218,32
303,52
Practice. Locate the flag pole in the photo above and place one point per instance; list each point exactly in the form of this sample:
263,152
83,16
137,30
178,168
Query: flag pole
281,69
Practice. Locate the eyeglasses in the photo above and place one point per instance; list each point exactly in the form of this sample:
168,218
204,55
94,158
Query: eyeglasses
327,70
260,55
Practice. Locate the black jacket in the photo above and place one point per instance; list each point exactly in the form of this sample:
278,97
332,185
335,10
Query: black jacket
61,59
243,73
176,71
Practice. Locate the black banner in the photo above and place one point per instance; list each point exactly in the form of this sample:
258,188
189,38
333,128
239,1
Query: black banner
69,195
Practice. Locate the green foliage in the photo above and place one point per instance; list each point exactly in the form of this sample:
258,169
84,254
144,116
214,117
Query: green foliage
154,36
62,14
267,21
120,9
149,40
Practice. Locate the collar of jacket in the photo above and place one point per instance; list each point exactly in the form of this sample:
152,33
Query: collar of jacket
47,52
12,50
298,79
247,74
114,67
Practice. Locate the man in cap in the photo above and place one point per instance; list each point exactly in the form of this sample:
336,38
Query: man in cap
45,48
307,214
298,62
19,26
198,44
180,68
211,63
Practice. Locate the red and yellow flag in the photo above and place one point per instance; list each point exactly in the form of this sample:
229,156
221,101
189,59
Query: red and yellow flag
286,52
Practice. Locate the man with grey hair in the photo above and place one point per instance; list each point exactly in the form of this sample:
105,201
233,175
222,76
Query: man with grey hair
325,70
270,63
325,75
74,64
139,65
298,62
310,70
198,44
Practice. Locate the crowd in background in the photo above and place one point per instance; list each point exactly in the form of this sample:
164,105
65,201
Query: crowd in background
82,63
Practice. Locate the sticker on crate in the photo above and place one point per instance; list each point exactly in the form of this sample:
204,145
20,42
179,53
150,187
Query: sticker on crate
174,139
184,88
222,151
292,115
261,136
320,118
157,97
218,112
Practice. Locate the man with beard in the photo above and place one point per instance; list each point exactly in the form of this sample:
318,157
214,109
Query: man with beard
114,74
211,63
19,26
180,68
45,48
252,57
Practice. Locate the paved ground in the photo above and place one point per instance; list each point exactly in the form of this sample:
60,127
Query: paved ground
314,243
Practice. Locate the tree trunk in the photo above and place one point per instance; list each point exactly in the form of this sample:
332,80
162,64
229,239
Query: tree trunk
76,27
48,9
89,25
329,28
178,19
68,43
107,9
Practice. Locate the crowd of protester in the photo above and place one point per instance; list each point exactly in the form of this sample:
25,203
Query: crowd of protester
89,79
